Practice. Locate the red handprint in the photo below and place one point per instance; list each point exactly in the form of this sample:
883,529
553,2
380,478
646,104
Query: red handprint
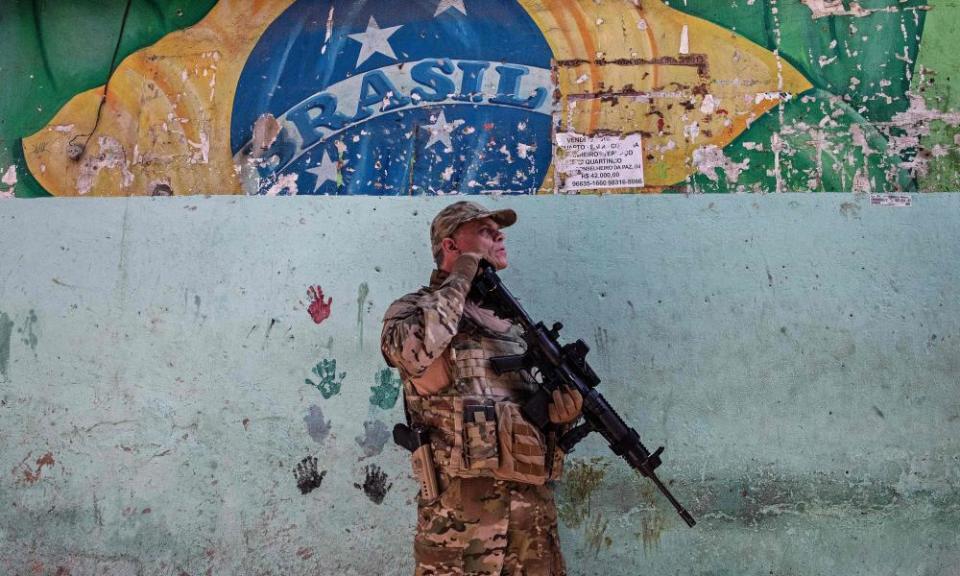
319,310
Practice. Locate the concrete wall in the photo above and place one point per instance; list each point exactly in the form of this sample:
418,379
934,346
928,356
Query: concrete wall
160,412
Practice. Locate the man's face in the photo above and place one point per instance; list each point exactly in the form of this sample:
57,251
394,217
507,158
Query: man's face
484,237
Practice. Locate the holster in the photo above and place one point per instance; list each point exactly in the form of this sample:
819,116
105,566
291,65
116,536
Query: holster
425,472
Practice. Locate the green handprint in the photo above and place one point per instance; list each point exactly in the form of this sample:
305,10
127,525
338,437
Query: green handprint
387,389
330,381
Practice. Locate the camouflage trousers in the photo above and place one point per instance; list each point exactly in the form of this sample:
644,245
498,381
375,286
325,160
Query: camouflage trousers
482,526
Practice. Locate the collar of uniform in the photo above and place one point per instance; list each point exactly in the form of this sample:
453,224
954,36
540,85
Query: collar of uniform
437,278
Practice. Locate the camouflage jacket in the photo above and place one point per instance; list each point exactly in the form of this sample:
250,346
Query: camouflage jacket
477,429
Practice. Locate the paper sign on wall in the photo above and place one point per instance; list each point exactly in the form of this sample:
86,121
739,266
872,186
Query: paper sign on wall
897,200
592,162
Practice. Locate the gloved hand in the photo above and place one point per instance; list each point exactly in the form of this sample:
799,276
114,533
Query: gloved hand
466,265
565,407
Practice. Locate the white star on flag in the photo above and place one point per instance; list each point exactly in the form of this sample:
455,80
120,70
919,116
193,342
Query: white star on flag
325,172
440,132
447,4
373,40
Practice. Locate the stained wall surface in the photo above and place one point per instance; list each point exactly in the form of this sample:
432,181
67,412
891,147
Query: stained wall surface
169,403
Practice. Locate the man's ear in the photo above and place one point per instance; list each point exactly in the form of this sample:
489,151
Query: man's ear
449,244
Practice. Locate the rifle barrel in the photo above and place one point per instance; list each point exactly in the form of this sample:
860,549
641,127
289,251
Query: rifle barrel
676,505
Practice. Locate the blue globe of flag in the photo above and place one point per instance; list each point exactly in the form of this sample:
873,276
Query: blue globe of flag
395,98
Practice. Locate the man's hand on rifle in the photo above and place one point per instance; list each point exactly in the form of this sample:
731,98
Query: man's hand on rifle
566,406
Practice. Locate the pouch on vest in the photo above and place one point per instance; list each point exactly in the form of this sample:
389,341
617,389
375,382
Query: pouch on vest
522,447
480,446
494,439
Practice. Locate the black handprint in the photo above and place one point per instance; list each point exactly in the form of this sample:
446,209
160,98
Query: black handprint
375,484
306,474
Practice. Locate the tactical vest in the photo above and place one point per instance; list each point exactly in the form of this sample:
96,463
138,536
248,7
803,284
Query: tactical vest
477,426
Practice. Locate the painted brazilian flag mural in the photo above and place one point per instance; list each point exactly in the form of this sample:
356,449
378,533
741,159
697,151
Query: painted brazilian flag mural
378,97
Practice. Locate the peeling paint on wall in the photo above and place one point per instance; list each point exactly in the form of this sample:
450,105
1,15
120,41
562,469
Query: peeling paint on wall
824,8
10,181
429,100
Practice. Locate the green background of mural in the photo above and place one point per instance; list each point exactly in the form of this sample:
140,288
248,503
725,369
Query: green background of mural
939,62
804,41
50,51
819,156
865,48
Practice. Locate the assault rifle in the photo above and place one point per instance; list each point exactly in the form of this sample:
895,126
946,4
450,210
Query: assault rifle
566,367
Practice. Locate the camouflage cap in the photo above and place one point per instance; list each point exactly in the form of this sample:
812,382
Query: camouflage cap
450,218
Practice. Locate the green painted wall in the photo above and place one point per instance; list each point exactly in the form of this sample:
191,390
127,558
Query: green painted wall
798,356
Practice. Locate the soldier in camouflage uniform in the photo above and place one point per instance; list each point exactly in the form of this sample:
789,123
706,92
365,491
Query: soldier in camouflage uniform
496,512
